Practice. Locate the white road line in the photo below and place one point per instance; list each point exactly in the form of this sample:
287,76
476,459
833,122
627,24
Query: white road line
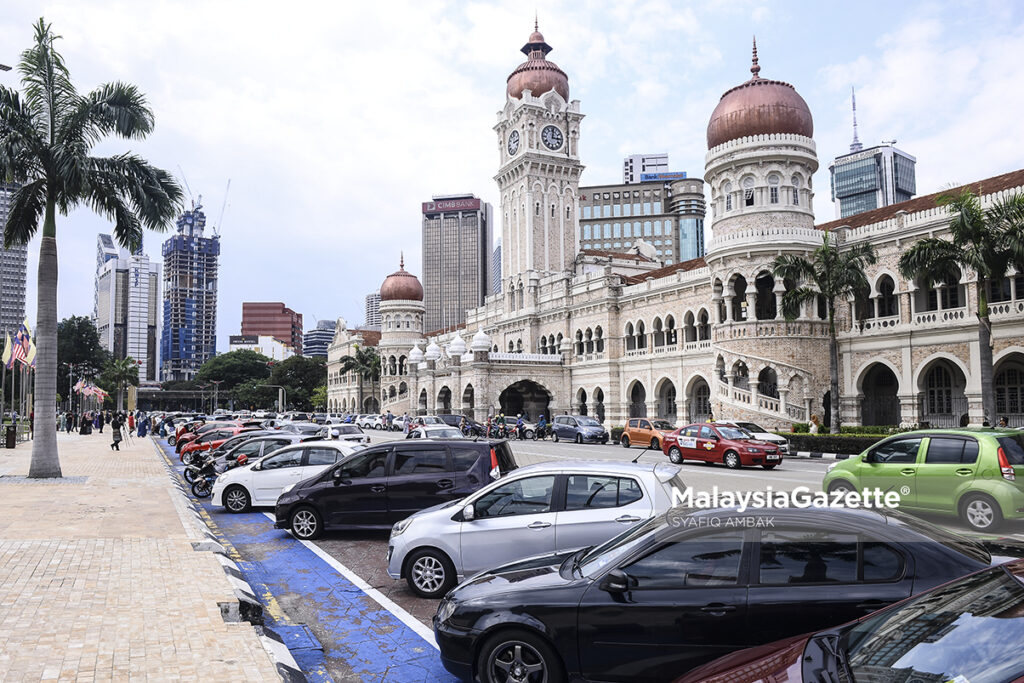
374,594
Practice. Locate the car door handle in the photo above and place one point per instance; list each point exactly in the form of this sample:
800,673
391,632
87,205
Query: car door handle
627,519
378,489
445,483
872,605
539,525
908,471
964,471
717,609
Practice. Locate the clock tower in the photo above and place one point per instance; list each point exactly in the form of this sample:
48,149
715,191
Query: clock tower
538,142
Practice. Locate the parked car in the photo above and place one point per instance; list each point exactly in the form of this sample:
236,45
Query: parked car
240,438
683,588
254,449
342,432
762,434
261,483
198,429
720,442
641,431
578,428
475,428
388,482
319,418
435,432
208,441
977,474
304,428
956,632
334,419
371,421
539,509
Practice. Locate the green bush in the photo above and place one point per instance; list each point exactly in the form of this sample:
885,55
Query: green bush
849,444
867,429
616,433
800,427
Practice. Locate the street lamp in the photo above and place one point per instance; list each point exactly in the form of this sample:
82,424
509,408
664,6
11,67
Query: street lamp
202,397
282,395
216,385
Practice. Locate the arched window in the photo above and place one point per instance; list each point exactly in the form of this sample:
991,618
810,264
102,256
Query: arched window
888,302
521,292
579,342
641,336
670,331
939,390
748,191
511,347
796,190
519,346
773,188
599,340
543,346
588,337
558,344
630,338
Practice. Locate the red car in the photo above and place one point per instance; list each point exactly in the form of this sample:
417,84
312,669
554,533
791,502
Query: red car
210,440
189,436
719,442
960,631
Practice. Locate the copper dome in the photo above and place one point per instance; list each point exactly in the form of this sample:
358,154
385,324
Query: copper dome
537,74
757,107
401,285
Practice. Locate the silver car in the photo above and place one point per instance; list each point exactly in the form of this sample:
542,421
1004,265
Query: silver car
343,433
759,432
543,508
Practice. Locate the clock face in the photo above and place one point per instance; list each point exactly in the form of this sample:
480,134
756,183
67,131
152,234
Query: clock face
513,142
552,137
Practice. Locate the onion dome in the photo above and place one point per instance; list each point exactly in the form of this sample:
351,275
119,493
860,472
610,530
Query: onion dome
759,106
537,74
416,354
457,346
401,285
481,342
433,351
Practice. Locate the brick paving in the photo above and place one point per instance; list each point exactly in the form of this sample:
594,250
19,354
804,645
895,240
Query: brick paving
99,581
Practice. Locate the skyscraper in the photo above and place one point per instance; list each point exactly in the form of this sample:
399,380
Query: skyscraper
372,311
496,269
316,341
636,165
13,273
871,178
273,319
189,335
127,306
456,257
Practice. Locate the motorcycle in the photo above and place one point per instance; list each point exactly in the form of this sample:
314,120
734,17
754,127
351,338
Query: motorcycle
192,471
541,433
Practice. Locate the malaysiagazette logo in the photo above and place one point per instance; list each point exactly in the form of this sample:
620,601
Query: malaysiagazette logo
800,497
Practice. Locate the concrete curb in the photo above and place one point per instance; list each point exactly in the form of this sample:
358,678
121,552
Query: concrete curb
286,666
819,456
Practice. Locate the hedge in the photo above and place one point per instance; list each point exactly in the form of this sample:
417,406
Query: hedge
831,443
616,433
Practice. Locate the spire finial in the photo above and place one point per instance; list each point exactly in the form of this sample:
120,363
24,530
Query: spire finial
401,260
754,68
536,26
855,146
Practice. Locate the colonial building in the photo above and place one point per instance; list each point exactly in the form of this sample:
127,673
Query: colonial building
346,391
617,335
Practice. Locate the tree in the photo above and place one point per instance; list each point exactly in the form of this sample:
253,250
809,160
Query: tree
985,241
300,375
78,344
46,138
365,363
833,274
119,373
250,394
233,368
319,397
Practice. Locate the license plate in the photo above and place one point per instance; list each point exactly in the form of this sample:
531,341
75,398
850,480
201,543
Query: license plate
773,457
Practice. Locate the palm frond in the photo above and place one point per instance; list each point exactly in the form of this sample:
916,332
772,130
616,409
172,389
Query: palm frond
24,213
794,299
19,137
104,196
793,267
47,82
932,260
968,219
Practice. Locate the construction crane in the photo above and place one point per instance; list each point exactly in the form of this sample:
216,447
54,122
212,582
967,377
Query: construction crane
223,207
188,189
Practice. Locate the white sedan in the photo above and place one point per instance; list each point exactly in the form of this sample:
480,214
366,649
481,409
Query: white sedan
261,483
352,433
371,421
435,432
762,434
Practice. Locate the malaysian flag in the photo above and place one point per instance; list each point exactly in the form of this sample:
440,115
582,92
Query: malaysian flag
21,346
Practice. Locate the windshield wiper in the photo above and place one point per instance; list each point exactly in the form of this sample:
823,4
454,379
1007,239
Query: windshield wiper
842,660
577,557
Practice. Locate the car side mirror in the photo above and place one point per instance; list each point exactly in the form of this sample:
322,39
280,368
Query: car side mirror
714,437
341,476
615,581
468,513
257,467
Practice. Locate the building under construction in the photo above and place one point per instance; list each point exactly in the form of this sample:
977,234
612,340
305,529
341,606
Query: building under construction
190,298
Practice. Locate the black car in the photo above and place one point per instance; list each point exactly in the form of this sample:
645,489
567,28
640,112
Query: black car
686,587
475,428
383,484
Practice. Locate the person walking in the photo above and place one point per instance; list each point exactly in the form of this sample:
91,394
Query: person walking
143,426
115,428
131,424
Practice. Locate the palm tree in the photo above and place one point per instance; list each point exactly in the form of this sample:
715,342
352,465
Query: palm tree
986,241
46,137
119,373
833,274
366,364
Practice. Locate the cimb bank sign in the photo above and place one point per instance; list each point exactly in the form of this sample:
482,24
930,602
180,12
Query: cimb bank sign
442,205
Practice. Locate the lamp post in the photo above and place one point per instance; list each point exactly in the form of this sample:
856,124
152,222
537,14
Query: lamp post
202,397
282,395
216,385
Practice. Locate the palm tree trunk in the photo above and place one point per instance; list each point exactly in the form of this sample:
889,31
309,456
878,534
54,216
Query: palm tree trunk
45,462
833,374
988,396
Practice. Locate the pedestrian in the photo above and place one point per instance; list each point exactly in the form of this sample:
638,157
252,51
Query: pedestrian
520,426
98,422
115,428
131,424
462,426
143,426
1003,422
31,423
62,422
815,425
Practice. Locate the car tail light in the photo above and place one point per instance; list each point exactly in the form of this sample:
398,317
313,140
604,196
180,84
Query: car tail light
1005,467
495,470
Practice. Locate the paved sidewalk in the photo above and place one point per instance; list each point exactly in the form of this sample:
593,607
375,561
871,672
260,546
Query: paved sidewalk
99,580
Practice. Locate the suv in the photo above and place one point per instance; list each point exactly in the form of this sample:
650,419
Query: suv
643,432
388,482
720,442
578,428
977,474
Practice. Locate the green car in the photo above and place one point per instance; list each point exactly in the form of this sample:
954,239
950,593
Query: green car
976,474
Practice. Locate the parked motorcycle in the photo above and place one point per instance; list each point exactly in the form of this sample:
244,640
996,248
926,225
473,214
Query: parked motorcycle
230,462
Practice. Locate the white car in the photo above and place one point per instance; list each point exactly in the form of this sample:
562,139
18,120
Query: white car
759,432
435,432
261,483
371,421
543,508
351,433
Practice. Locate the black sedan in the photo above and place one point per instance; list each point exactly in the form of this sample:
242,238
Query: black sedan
687,587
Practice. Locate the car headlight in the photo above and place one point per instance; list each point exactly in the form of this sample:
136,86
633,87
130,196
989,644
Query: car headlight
445,610
399,528
287,488
751,449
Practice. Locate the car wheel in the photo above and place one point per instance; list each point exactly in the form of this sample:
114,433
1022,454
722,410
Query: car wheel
579,438
624,440
171,440
840,486
980,512
378,427
655,445
515,655
429,573
731,459
305,524
554,436
675,456
528,434
236,499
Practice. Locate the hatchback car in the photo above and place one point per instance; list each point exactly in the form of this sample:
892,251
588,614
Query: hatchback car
352,433
194,450
578,428
683,588
977,474
720,442
762,434
958,632
371,421
253,449
435,432
388,482
538,509
261,483
641,431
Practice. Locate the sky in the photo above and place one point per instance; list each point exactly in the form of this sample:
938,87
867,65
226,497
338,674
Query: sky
333,121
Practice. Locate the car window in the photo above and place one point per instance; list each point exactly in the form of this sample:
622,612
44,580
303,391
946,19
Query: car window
571,422
706,433
881,562
531,495
693,431
897,451
662,424
415,434
633,424
589,491
644,424
710,560
805,556
1013,447
947,450
249,449
464,457
321,456
733,433
274,444
372,464
421,460
289,458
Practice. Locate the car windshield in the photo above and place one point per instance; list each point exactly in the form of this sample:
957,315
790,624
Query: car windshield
733,433
600,556
1013,448
587,422
430,421
662,424
448,433
751,427
963,631
347,429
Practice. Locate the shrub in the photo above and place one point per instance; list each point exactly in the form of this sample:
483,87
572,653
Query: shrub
801,428
616,433
848,444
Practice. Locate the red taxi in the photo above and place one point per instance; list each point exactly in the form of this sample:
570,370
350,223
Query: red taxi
720,442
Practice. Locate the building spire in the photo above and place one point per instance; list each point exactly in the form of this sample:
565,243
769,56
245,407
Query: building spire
754,67
855,146
401,260
536,26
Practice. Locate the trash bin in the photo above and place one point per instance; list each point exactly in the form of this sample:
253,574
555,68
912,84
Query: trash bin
10,436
